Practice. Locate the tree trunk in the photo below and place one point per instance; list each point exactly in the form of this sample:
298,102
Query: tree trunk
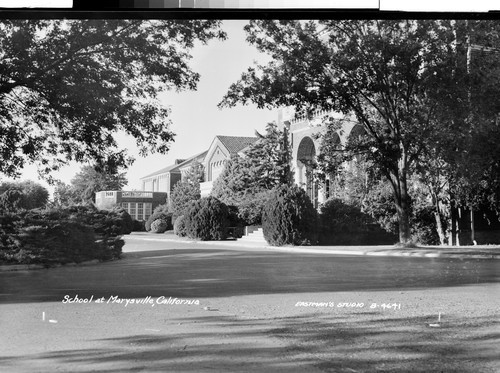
401,200
437,216
439,228
403,209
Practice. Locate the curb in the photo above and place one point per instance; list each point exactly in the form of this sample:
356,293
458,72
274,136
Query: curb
434,255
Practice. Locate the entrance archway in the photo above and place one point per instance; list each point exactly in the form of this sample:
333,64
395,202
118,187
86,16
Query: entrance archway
306,155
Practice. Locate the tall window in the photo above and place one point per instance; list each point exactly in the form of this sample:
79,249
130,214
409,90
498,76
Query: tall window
147,210
133,210
138,210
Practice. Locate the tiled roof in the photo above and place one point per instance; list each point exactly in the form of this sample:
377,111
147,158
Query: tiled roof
233,144
236,143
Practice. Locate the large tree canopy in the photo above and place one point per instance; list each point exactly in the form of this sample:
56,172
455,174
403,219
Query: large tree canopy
22,195
406,82
67,86
87,183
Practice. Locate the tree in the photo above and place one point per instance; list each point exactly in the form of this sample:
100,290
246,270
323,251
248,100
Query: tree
401,80
246,181
186,191
67,86
269,158
195,173
24,195
87,183
289,217
65,195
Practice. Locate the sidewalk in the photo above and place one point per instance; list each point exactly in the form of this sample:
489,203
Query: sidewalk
462,252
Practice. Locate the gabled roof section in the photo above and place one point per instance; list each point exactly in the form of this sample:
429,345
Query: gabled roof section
234,144
175,167
201,157
162,171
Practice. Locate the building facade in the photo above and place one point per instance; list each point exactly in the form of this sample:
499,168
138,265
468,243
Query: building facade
139,204
220,151
305,146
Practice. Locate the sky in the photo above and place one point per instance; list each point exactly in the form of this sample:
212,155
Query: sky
196,120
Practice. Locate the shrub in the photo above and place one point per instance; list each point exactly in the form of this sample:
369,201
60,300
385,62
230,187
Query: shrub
250,207
138,226
48,242
158,226
61,241
126,220
289,218
183,193
180,226
160,214
105,223
207,219
73,234
345,224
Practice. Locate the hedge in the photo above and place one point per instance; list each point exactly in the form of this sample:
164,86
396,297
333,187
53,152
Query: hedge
72,234
345,224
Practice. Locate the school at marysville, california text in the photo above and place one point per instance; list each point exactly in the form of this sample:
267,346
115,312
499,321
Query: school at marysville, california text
126,301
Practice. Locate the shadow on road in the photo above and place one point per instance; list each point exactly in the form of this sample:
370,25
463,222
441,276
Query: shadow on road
310,342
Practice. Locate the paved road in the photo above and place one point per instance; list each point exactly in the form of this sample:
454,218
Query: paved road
190,270
248,319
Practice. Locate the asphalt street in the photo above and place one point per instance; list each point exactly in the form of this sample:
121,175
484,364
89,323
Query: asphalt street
191,270
186,307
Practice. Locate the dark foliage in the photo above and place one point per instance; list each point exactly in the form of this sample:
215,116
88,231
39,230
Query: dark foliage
24,195
289,218
67,86
138,226
125,219
345,224
72,234
207,219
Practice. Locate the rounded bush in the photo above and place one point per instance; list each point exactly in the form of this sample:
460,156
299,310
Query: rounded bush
180,226
166,217
158,226
289,217
207,219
